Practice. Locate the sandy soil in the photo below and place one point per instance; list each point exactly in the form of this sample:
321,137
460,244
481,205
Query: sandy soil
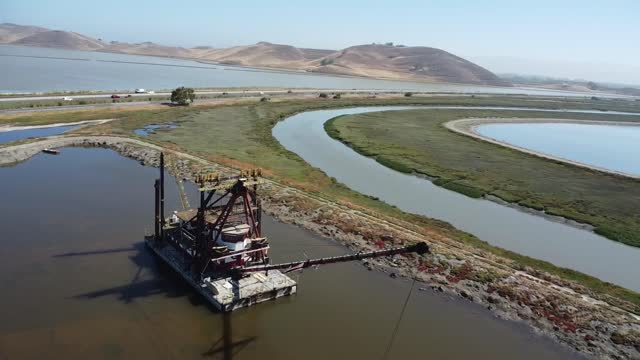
469,127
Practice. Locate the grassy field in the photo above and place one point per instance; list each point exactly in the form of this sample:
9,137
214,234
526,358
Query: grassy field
240,136
415,141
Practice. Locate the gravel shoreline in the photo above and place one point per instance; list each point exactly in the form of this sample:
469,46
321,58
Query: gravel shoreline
565,311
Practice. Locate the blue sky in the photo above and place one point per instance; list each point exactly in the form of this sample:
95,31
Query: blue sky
556,38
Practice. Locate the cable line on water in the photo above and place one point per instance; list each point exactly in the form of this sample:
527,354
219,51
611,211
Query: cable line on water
395,330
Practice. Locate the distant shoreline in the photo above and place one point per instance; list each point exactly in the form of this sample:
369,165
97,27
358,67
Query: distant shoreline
233,67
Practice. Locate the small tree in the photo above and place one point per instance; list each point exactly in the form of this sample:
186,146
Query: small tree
408,94
337,96
323,95
183,96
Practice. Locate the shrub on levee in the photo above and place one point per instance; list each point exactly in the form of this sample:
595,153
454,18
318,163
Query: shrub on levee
183,96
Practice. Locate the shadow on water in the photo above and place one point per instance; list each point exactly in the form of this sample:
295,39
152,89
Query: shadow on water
164,282
225,345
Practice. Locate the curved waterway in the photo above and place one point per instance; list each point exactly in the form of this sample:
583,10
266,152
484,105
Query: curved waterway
77,283
500,225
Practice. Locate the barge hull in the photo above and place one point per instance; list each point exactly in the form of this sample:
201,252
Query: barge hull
225,293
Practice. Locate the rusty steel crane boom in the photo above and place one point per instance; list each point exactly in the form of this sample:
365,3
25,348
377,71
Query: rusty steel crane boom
419,248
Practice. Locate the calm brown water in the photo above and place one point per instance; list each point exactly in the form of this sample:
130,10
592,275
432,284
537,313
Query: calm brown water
77,283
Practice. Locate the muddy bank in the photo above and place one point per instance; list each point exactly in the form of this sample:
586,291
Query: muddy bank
565,311
551,306
528,210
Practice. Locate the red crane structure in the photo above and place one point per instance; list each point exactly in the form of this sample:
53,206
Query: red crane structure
220,249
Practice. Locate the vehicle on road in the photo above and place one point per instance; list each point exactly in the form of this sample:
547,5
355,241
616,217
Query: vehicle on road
151,92
140,91
114,96
66,98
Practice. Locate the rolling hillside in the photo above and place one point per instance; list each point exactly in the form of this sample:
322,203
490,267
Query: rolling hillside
148,48
265,54
12,32
375,60
61,39
411,63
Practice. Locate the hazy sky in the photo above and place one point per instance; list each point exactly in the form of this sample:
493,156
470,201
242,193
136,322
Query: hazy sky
590,39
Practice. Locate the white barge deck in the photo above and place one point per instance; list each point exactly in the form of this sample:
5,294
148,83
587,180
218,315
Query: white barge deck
226,293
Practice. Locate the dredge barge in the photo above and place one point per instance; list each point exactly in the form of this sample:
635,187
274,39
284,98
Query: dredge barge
219,248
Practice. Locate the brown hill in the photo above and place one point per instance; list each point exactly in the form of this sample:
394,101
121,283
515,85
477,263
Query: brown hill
61,39
377,61
12,32
411,63
265,54
148,48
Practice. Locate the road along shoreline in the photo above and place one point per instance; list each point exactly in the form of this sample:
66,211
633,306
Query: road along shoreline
589,322
469,126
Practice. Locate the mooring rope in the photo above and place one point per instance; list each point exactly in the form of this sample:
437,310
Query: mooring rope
395,330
